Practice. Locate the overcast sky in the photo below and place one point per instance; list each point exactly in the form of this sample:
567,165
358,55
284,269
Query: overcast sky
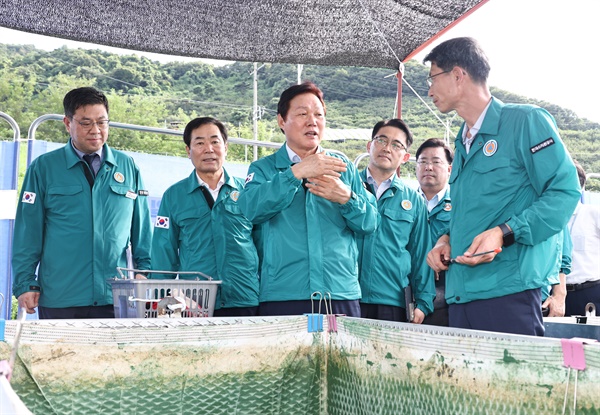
544,49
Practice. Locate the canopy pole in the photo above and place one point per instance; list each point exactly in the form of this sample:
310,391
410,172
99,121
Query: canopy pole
399,77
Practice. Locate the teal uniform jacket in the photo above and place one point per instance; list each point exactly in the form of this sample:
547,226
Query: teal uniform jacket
189,236
78,235
306,242
564,248
439,217
396,253
519,172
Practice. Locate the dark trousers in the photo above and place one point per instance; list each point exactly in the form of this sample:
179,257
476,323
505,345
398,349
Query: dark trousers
577,300
102,311
518,313
439,317
383,312
236,312
350,308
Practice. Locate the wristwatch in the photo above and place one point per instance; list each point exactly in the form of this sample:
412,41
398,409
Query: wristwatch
508,236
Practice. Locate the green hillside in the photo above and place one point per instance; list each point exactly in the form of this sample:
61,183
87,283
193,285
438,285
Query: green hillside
145,92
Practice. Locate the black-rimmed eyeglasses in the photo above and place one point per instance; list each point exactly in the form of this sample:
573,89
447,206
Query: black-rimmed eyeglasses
430,77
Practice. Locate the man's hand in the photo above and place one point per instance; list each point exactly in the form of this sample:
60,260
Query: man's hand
330,188
489,240
419,316
29,301
556,302
317,165
140,277
437,258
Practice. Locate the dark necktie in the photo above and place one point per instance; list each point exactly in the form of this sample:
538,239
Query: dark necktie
89,172
209,199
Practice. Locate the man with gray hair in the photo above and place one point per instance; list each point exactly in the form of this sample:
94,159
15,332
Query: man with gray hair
513,189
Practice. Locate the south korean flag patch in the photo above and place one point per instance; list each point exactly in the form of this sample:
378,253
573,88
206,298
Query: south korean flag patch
249,178
28,197
162,222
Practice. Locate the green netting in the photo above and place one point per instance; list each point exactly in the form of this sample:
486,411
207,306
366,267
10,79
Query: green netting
274,366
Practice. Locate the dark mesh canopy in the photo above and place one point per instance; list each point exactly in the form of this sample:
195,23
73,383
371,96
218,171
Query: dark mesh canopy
375,33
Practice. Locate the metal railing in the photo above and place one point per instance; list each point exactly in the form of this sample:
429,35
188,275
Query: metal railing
157,130
13,124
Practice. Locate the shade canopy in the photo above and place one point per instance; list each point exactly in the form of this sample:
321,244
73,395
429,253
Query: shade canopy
371,33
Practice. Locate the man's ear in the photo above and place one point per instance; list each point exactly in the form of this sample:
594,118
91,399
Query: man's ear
458,73
67,123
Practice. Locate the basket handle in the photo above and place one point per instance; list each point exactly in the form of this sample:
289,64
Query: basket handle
137,271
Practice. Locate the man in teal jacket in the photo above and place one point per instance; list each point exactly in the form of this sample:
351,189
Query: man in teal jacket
394,256
554,294
513,185
309,205
76,218
200,226
434,164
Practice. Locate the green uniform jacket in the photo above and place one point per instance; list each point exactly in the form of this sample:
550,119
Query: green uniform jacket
519,172
78,235
306,242
439,218
189,236
396,253
564,250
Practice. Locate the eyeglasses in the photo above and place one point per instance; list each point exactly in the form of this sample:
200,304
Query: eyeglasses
383,141
434,163
87,124
430,78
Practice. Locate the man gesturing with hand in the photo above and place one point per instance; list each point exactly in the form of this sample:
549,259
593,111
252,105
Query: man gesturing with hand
307,205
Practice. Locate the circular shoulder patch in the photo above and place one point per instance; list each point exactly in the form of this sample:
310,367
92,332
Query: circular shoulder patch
489,149
406,204
448,207
119,177
234,195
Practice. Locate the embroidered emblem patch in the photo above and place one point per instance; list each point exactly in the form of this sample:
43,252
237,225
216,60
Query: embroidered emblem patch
162,222
234,195
448,207
406,204
119,177
490,148
249,178
28,197
546,143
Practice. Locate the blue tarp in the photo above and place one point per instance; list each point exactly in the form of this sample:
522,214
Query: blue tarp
9,157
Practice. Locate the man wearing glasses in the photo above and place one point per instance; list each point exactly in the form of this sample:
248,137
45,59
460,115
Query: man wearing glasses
434,164
81,206
394,256
513,186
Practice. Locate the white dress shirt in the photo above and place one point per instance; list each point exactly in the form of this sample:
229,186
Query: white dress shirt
584,227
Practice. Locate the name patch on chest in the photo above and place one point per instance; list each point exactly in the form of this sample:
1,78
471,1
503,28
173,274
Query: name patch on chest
131,195
546,143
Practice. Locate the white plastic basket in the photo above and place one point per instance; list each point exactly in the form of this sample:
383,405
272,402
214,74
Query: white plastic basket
169,298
